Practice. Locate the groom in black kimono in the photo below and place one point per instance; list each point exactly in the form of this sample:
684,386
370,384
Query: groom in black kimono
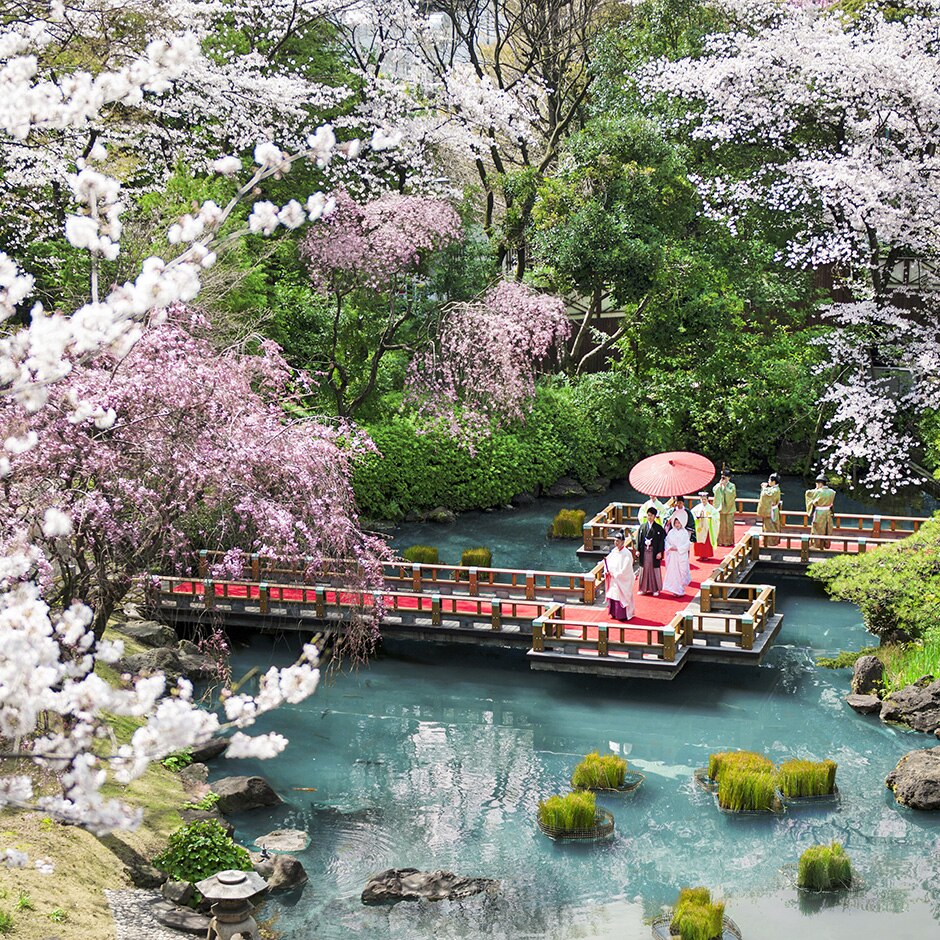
651,542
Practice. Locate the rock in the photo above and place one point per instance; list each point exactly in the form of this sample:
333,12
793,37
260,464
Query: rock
867,675
284,840
523,499
202,815
413,515
142,875
287,873
196,665
916,779
866,704
194,778
179,918
213,748
442,516
149,632
565,488
238,794
598,485
171,662
409,884
178,892
917,705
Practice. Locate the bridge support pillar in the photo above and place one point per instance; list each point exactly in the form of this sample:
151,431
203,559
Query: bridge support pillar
538,643
687,635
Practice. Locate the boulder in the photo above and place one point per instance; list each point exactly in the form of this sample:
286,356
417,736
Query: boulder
282,872
565,488
867,675
171,662
284,840
522,499
180,918
194,780
178,892
410,884
442,516
598,485
916,779
202,815
414,515
238,794
148,632
213,748
916,705
866,704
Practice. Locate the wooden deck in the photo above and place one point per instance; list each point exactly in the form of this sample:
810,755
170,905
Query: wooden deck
558,619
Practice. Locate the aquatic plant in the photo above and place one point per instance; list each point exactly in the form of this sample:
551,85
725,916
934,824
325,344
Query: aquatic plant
747,790
806,778
906,664
421,554
569,812
696,917
722,761
599,772
477,558
568,524
824,868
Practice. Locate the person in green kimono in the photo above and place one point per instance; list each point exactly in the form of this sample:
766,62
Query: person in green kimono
769,507
726,495
706,527
653,502
819,506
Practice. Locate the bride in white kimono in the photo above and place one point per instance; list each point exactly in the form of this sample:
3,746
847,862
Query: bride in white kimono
678,545
620,580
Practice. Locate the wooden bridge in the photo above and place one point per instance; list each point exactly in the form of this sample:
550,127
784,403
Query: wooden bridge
558,619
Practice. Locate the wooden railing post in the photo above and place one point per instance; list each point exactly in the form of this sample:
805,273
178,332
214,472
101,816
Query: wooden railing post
618,514
755,547
474,585
602,641
705,600
436,610
588,537
255,566
687,634
804,548
416,578
319,601
538,644
530,585
203,564
669,644
876,527
747,632
264,598
208,594
862,544
496,613
587,589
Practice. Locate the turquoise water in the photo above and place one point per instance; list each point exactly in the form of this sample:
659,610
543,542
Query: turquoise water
439,761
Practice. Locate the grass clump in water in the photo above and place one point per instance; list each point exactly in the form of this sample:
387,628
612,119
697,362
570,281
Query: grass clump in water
421,555
807,778
846,658
696,916
568,524
599,772
723,761
824,868
477,558
568,813
747,791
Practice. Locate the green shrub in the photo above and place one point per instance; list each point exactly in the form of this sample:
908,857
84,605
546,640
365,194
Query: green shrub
569,812
7,923
568,524
696,917
824,868
477,558
596,772
201,849
421,555
738,760
806,778
176,762
206,803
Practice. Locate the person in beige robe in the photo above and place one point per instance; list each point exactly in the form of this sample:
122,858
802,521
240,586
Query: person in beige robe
819,506
725,501
769,507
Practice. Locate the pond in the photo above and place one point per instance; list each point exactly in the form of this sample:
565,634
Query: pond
437,759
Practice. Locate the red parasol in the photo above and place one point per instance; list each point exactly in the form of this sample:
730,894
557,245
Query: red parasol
674,474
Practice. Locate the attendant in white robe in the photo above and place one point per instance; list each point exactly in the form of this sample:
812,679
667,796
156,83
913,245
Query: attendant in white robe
678,545
620,580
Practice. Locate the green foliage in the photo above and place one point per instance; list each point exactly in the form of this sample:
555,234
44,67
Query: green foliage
568,524
421,555
477,558
896,586
824,868
723,761
599,772
201,849
206,803
176,762
696,917
7,924
569,812
58,915
24,902
845,659
806,778
907,663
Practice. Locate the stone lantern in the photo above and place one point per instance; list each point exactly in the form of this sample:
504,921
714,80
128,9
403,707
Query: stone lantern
229,892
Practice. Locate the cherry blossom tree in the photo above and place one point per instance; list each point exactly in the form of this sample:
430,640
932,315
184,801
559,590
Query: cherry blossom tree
371,248
481,370
844,114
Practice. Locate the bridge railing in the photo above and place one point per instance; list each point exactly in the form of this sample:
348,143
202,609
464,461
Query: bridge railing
327,603
598,531
419,578
805,544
